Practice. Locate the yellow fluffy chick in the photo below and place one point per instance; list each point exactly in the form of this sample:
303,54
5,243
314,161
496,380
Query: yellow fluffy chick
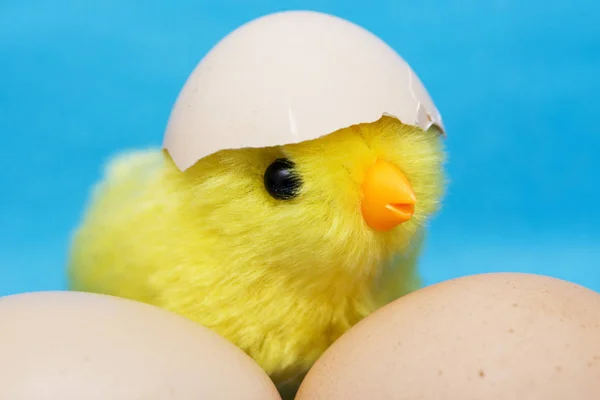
279,249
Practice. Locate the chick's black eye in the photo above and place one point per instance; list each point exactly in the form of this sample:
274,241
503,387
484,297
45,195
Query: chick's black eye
281,180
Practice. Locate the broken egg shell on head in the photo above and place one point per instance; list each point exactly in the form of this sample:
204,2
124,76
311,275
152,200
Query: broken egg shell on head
501,336
289,77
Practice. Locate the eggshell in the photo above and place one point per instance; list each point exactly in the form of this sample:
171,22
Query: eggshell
75,346
289,77
491,336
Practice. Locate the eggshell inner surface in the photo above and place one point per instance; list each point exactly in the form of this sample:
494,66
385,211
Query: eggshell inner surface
289,77
76,346
490,336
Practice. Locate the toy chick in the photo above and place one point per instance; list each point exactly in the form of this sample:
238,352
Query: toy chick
301,163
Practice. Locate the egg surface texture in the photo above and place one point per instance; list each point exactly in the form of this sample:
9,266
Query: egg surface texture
486,337
76,346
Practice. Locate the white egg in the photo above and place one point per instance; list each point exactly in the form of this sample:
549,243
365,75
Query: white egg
76,346
289,77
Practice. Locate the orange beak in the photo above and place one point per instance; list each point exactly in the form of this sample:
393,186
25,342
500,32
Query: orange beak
387,197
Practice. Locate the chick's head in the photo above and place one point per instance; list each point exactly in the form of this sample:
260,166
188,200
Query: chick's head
334,206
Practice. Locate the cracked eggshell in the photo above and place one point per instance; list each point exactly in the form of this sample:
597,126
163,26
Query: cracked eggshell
501,336
289,77
76,346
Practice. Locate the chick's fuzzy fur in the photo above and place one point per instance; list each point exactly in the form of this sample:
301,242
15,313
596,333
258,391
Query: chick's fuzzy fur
282,279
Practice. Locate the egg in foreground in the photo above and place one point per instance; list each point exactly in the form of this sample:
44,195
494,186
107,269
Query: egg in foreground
75,346
503,336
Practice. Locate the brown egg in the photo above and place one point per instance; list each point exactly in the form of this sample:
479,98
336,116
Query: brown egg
75,346
490,336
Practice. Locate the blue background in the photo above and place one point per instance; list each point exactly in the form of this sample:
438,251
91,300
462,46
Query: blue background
516,80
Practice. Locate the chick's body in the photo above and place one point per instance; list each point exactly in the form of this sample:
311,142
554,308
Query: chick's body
282,279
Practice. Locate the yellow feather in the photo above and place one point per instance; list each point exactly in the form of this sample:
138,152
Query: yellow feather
280,279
